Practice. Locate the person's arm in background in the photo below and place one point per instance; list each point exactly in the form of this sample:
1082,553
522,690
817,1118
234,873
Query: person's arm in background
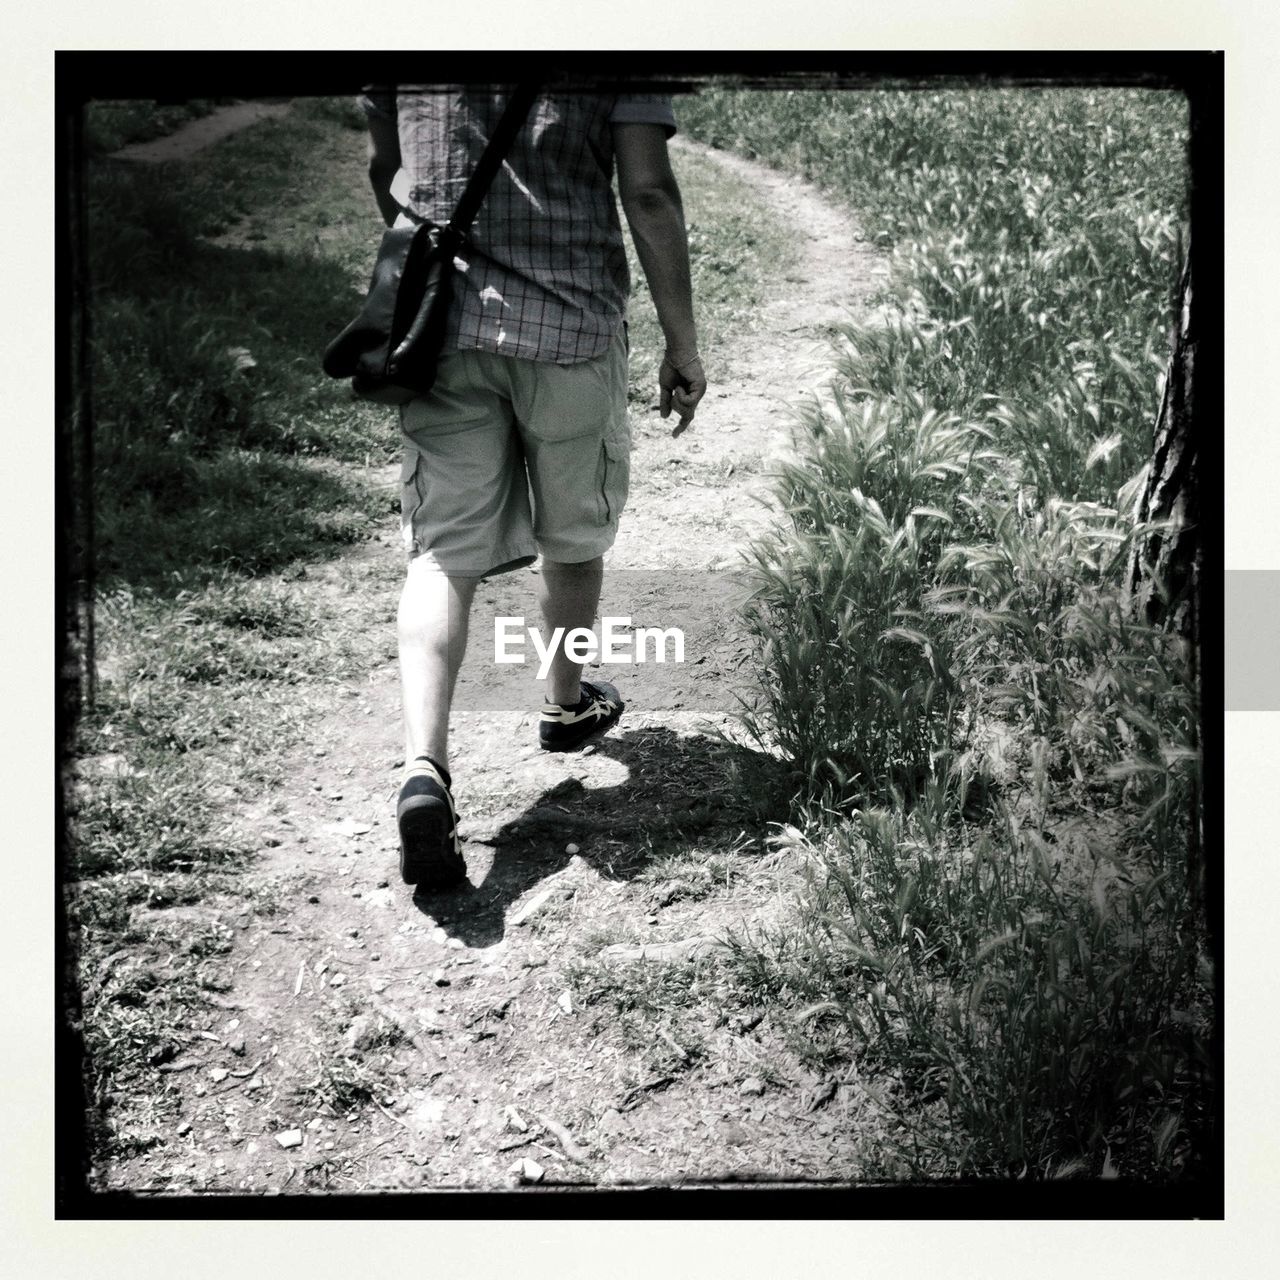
384,164
651,201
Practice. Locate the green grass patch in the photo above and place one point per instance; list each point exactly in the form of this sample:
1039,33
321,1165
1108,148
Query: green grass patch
242,511
629,1001
218,282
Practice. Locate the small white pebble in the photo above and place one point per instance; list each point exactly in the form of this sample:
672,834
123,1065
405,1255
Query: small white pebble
526,1170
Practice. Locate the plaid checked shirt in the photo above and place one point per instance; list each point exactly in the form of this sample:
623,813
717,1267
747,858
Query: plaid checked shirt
544,273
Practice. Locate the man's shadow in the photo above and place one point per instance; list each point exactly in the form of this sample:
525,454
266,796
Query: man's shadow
676,789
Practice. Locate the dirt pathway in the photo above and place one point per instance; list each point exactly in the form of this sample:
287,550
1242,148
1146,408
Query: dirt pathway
367,1041
201,133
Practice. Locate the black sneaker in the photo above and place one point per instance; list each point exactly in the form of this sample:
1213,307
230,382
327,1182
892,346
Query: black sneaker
430,851
564,728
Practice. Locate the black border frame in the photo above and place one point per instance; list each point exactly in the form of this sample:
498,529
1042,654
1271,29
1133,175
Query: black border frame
175,76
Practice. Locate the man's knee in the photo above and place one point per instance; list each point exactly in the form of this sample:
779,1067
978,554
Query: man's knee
582,568
562,581
429,598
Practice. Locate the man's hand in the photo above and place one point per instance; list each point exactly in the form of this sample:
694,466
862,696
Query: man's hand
681,387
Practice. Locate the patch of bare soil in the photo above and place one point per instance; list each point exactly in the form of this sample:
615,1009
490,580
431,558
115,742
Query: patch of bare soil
462,1007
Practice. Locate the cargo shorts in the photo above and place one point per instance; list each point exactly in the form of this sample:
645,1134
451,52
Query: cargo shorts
505,459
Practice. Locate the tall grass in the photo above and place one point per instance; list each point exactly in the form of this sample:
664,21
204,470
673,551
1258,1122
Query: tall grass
860,692
996,760
1035,237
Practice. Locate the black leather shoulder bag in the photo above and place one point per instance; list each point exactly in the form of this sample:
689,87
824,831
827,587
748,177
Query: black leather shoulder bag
390,350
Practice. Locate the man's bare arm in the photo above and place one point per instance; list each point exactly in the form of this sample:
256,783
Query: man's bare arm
651,201
384,164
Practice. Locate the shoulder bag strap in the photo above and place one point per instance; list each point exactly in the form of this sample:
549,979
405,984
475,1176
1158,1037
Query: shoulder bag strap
513,116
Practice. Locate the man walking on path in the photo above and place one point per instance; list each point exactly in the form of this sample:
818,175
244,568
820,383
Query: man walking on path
522,447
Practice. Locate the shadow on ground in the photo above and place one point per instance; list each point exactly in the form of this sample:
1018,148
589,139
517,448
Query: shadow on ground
678,790
215,431
233,512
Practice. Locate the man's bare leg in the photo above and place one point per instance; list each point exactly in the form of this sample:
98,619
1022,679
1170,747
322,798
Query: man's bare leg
568,595
432,625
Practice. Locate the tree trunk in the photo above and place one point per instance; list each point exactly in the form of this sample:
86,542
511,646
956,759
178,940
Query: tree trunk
1167,563
1165,567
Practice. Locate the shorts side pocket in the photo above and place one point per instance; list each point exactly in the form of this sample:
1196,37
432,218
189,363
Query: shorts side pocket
411,496
615,454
